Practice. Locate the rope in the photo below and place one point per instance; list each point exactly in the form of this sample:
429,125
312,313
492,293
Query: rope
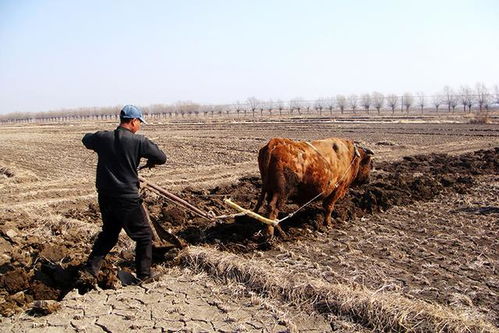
303,206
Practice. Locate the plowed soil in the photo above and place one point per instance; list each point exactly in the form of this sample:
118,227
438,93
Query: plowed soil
389,234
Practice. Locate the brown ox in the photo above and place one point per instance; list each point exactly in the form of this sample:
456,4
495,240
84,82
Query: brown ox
303,170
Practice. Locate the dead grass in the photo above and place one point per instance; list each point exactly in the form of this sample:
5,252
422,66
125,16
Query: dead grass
378,310
481,119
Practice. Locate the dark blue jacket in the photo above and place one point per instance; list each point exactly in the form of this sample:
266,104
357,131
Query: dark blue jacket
119,153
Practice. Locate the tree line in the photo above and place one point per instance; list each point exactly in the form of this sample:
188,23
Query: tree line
465,99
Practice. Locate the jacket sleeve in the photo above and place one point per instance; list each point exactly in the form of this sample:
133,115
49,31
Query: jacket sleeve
89,141
153,154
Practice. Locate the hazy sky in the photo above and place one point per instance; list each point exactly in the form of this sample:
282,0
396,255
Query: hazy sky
65,54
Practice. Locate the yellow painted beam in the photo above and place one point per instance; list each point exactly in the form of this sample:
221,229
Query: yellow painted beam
252,214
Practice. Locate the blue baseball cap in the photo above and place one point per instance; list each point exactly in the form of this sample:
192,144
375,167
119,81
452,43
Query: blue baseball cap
131,112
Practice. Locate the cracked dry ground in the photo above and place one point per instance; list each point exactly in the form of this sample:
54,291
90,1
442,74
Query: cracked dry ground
180,301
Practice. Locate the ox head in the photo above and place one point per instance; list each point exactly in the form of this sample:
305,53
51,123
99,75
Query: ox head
365,165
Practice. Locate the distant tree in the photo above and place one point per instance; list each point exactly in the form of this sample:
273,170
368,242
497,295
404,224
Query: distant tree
237,107
437,100
330,105
319,105
186,107
219,109
378,100
392,101
341,101
206,109
253,104
365,100
450,98
421,101
296,104
279,105
222,109
482,95
408,101
466,97
353,102
270,106
306,105
453,102
496,94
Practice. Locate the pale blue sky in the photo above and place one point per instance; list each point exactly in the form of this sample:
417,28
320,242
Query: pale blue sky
66,54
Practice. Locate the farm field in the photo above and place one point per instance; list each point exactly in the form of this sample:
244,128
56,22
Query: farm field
415,249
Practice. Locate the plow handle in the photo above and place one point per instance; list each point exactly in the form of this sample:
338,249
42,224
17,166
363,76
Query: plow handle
174,198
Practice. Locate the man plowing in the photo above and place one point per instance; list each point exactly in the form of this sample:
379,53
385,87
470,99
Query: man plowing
119,153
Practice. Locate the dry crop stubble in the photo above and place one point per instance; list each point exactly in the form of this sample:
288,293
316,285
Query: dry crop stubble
381,311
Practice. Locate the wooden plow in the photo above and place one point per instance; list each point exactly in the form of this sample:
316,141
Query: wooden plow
164,238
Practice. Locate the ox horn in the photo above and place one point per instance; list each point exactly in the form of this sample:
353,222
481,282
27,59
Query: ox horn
368,151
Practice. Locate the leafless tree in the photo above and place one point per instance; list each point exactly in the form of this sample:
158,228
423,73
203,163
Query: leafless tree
253,104
408,101
179,108
378,100
296,104
437,100
186,107
270,106
392,101
319,105
353,101
453,103
482,95
307,105
219,109
279,105
237,107
496,94
341,101
365,100
466,97
206,109
329,103
450,98
421,101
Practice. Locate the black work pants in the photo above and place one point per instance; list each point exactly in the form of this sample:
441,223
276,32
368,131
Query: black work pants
128,214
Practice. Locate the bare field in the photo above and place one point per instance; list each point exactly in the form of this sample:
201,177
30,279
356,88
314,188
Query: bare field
416,249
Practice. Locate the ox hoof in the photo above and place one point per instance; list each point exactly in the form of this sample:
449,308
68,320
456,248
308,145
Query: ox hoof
318,226
283,235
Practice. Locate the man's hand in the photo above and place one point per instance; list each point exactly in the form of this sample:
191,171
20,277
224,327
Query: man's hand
147,165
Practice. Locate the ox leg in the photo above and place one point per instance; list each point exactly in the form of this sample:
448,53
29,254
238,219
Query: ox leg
328,205
273,211
261,198
273,207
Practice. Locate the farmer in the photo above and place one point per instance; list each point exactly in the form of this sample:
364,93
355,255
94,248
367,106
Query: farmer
119,153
